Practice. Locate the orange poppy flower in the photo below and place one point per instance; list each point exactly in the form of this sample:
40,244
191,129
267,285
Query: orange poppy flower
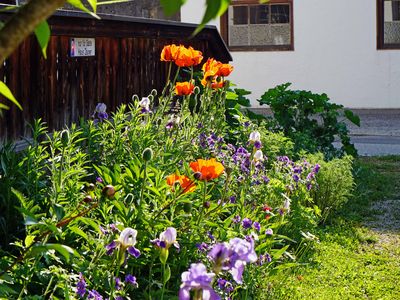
186,184
210,68
197,56
224,70
217,84
184,88
170,52
207,169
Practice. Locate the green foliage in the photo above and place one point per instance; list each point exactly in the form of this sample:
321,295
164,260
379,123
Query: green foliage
352,260
335,183
310,120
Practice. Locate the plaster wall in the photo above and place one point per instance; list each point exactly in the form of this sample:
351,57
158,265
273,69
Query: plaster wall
335,52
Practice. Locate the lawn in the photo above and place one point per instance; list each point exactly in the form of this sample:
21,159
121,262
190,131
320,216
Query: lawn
358,253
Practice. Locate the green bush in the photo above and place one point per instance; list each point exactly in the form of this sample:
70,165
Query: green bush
335,183
310,120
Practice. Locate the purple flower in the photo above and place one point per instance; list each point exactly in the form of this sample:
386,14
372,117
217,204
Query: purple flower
236,219
130,279
316,168
219,254
119,298
269,231
126,241
265,179
199,125
310,176
309,186
257,144
242,253
167,239
102,116
221,283
81,286
246,223
210,236
99,180
232,199
93,294
202,246
118,283
114,228
296,178
103,230
197,279
257,226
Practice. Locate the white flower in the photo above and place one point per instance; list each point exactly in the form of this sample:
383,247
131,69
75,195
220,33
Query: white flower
254,137
169,237
100,108
286,203
127,238
145,103
258,156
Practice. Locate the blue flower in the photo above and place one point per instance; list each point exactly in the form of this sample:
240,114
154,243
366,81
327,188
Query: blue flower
95,295
257,226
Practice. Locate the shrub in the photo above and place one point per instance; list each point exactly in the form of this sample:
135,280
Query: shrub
335,183
310,120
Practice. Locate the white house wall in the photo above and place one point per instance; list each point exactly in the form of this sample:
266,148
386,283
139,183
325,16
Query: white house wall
335,52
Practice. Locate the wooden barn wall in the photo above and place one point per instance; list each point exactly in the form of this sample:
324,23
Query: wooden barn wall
62,89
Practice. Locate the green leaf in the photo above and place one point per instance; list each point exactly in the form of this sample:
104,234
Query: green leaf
3,106
167,274
62,249
5,91
93,4
215,8
29,240
352,117
42,32
78,231
171,6
79,4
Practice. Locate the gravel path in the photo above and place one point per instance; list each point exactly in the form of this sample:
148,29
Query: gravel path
386,224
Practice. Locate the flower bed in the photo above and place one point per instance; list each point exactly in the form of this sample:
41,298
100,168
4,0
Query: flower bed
156,202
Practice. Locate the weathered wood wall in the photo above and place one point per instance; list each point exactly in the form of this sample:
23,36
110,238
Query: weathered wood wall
61,89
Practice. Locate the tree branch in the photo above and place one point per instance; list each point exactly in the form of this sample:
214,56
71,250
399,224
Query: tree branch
24,22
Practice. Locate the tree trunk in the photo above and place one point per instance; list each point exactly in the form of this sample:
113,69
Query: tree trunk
24,22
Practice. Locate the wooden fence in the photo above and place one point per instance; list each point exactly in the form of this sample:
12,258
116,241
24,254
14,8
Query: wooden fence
61,88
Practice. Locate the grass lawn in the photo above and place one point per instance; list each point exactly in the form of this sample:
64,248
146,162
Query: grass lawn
358,256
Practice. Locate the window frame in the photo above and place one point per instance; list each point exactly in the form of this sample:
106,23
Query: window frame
225,28
380,29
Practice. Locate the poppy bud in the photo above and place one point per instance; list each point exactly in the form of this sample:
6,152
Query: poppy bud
91,187
147,154
187,207
87,199
64,137
206,204
197,175
108,191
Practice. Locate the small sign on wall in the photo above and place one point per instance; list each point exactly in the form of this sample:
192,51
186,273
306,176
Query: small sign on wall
82,47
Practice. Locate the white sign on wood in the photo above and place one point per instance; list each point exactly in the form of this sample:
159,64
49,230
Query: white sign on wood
82,47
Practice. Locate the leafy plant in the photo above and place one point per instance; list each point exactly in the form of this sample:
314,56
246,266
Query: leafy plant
310,120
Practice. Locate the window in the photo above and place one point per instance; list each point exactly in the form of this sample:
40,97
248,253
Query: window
250,26
388,24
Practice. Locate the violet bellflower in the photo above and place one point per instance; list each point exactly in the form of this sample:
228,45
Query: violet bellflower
199,280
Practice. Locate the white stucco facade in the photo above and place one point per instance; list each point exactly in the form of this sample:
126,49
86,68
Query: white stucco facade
335,52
